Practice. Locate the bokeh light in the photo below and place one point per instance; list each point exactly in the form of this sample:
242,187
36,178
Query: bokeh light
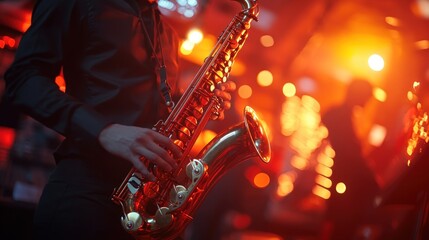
289,90
244,91
265,78
376,62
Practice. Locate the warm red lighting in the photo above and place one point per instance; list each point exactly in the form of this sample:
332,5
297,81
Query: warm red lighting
321,192
2,43
245,91
265,78
377,135
59,80
241,221
267,41
261,180
7,137
285,184
10,41
26,22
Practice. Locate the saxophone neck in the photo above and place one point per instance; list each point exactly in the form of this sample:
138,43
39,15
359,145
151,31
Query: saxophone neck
250,8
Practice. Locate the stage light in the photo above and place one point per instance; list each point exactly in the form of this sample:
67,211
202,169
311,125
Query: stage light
379,94
261,180
422,44
186,47
377,135
267,41
376,62
323,170
289,90
245,91
323,181
392,21
341,187
195,35
265,78
285,183
321,192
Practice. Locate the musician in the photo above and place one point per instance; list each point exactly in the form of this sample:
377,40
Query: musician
347,211
112,54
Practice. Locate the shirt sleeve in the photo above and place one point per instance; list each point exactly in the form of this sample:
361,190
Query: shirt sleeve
30,81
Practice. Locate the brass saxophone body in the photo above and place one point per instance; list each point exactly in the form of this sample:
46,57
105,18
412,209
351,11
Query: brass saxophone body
162,209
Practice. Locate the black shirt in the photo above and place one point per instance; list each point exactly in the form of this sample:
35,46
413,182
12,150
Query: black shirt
108,66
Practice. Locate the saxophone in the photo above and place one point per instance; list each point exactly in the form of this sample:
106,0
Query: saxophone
162,209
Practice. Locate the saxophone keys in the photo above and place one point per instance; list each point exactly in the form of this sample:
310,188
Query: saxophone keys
184,133
204,100
150,189
194,169
134,183
198,112
179,143
132,221
162,218
191,122
178,194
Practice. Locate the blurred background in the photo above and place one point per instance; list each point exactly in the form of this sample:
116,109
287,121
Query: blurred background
296,64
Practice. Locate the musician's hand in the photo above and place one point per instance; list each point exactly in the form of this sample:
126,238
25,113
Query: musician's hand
223,91
133,143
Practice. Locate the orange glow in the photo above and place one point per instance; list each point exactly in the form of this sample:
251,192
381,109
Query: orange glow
341,188
329,151
284,189
310,103
377,135
207,135
410,147
186,47
323,170
197,53
59,80
27,22
285,184
265,78
245,91
267,41
422,44
379,94
299,162
289,90
323,181
325,160
392,21
2,43
410,96
321,192
288,118
353,49
203,139
261,180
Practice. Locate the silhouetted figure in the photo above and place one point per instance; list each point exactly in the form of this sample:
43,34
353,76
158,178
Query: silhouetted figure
347,211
